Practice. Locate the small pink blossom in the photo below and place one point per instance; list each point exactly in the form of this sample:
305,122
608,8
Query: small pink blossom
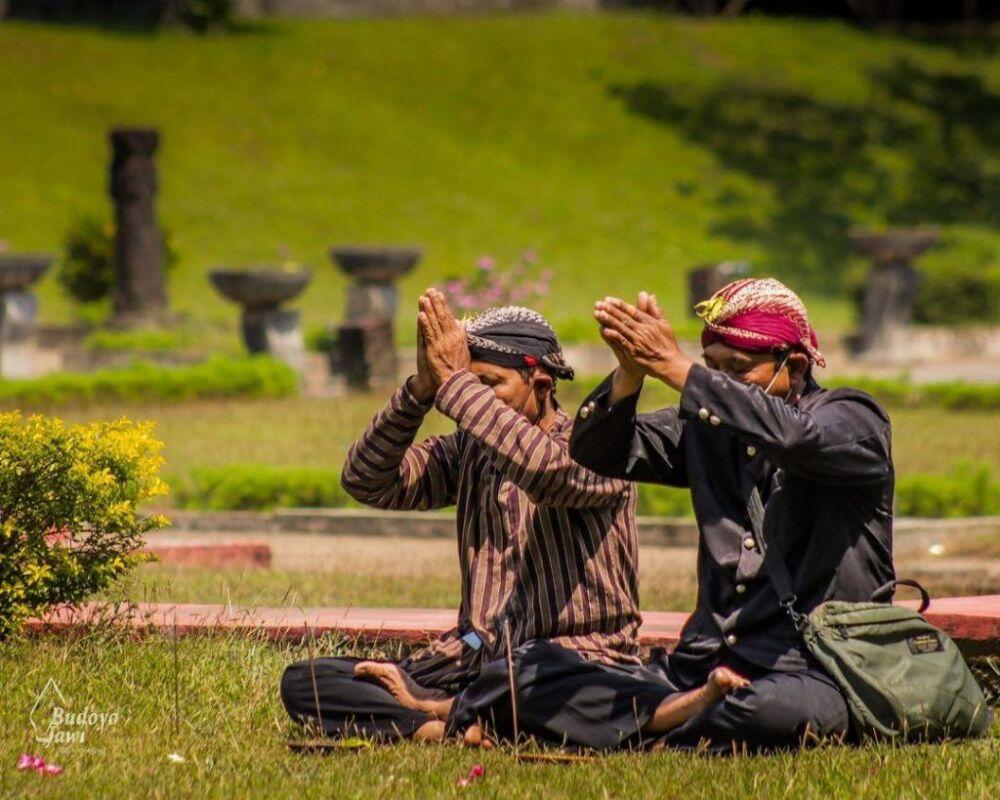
486,263
37,763
478,772
530,256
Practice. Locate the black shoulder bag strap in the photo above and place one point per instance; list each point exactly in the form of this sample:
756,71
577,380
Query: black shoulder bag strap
774,562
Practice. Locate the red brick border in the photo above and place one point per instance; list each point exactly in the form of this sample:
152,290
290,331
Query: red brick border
974,622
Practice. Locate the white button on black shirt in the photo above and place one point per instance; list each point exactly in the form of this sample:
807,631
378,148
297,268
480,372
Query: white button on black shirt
751,450
702,413
749,543
731,640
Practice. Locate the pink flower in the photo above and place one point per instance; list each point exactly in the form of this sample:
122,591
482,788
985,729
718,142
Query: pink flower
486,263
37,763
529,256
26,761
478,772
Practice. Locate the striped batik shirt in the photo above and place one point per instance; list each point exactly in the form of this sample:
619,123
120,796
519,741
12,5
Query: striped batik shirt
546,547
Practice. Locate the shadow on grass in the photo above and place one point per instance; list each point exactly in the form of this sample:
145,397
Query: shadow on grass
923,148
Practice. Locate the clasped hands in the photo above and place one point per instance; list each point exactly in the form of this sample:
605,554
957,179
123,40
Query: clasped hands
643,342
442,345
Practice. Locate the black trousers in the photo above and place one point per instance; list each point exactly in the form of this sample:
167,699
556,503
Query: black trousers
563,698
347,706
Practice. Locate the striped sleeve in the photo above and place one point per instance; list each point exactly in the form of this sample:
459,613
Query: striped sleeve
535,461
386,470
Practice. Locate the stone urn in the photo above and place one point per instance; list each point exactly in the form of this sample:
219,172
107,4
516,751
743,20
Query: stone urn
260,291
375,270
891,287
364,354
18,308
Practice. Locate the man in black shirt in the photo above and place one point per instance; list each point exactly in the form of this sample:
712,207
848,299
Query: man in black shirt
753,436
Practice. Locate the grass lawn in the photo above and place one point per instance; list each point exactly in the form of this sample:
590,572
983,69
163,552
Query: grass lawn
626,145
230,728
316,432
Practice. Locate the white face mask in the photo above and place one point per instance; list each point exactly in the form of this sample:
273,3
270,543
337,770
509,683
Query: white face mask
777,372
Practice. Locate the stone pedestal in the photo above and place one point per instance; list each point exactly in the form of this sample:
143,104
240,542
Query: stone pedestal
277,331
365,353
265,326
706,280
19,311
891,287
140,291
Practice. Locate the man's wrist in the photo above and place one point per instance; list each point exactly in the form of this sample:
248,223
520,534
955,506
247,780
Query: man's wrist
624,384
674,370
422,392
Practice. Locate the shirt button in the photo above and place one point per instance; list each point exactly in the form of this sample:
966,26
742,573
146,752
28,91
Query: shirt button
741,588
751,451
584,412
702,413
731,639
714,419
749,543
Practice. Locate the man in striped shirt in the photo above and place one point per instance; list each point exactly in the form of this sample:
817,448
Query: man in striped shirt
547,548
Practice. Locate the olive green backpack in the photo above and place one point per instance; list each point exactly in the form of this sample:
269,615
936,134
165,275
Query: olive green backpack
902,677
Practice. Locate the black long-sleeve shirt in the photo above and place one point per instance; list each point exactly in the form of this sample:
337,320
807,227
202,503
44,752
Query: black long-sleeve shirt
823,468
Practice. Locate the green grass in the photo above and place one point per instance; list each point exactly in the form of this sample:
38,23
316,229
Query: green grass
230,728
625,148
316,433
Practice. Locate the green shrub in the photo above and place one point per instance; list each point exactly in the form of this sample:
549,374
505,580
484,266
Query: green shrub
663,501
320,339
953,395
969,490
960,281
68,496
139,341
87,270
254,376
258,487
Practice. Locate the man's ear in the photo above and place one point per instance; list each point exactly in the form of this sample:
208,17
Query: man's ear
541,382
798,365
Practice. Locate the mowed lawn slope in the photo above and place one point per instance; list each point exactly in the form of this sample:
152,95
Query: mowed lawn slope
623,148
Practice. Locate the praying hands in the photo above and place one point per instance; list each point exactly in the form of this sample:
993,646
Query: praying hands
442,345
643,342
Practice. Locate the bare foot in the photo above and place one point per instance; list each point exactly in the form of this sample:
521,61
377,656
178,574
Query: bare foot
722,681
430,732
474,738
407,691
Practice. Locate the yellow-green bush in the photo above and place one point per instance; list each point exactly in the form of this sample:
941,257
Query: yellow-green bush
69,494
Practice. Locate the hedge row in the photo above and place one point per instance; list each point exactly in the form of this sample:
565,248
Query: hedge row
255,376
954,395
969,490
259,487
